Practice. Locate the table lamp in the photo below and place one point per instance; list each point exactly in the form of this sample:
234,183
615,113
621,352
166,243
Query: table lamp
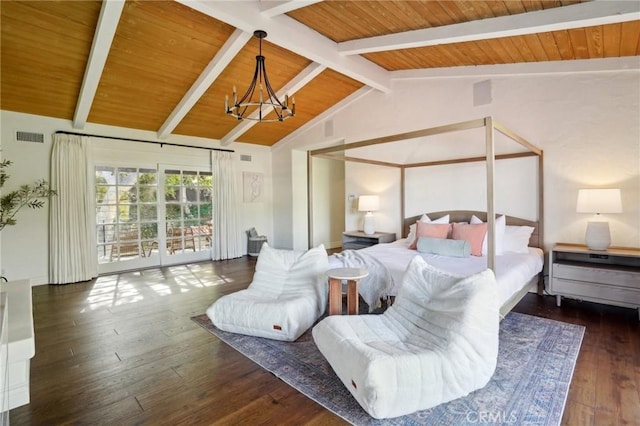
598,201
369,203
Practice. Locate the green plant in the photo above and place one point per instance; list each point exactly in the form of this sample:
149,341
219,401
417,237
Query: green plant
32,196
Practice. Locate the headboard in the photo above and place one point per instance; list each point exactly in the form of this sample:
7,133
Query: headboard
465,216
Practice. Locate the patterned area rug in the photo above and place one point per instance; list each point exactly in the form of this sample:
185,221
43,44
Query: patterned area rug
535,365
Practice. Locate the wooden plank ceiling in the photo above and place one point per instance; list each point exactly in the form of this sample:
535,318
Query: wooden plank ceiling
161,48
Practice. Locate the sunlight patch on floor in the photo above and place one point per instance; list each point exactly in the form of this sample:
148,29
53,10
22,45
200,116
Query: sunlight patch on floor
117,290
161,289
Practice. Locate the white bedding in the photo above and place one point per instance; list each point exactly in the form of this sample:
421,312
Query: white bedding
513,270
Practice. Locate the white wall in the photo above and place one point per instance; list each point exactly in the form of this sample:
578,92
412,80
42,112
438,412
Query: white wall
366,179
299,202
464,187
283,199
24,251
588,125
328,202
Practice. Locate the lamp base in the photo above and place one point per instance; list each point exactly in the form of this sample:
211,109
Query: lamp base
369,224
598,236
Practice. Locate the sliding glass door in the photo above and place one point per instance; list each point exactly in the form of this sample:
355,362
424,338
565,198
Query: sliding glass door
147,217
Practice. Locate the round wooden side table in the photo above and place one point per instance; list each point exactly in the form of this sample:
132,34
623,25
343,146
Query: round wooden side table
352,276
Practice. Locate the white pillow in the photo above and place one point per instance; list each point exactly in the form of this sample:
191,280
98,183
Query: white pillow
501,223
516,239
426,219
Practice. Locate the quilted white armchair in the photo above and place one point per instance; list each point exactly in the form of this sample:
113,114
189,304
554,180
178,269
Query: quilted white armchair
436,343
287,296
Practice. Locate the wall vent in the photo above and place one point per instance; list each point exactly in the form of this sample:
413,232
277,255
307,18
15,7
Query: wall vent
245,157
29,137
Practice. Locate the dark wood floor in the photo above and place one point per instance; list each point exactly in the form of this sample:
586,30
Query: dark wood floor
123,350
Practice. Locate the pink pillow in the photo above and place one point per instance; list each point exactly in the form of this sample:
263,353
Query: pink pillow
473,233
431,230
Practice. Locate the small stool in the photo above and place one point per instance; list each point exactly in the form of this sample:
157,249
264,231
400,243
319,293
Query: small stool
353,276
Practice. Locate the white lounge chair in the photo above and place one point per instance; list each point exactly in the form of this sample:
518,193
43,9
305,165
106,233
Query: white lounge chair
287,296
436,343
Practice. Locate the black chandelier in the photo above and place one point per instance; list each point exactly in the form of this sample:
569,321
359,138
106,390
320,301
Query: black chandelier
260,80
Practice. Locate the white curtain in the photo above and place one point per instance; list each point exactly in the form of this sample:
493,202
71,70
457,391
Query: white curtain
227,242
72,236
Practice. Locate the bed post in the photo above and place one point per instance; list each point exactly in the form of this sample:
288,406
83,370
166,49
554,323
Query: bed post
402,201
541,214
309,200
491,213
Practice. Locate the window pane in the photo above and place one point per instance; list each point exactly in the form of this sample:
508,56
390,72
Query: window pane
174,237
106,233
172,177
173,224
149,231
205,195
101,193
148,212
191,220
127,175
147,194
127,194
147,177
104,253
106,214
172,193
127,249
105,194
191,195
173,211
205,179
189,178
126,215
204,212
128,233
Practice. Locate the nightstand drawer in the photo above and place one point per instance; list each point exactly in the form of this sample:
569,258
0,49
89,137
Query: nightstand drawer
590,291
354,245
356,240
596,275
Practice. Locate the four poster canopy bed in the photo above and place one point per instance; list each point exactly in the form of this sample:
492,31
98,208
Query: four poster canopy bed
518,268
453,276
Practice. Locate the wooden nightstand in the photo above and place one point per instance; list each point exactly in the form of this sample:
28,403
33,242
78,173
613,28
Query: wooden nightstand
609,276
354,240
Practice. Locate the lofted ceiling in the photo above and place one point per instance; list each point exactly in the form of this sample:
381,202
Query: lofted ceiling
166,66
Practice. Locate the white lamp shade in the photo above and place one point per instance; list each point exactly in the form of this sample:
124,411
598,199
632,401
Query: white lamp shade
368,203
599,201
